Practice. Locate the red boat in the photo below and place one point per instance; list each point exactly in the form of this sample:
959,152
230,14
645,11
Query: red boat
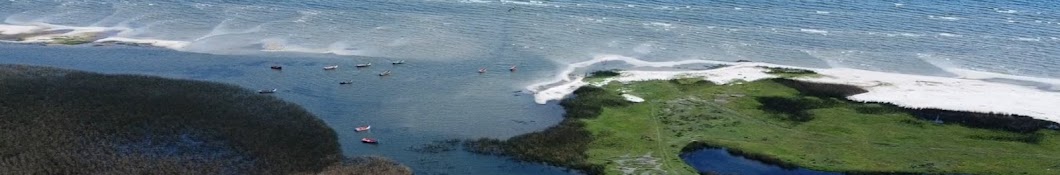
369,140
363,128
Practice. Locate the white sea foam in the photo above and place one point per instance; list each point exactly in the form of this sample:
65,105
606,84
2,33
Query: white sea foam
535,3
662,25
814,31
944,18
910,34
1028,39
949,35
969,92
1005,11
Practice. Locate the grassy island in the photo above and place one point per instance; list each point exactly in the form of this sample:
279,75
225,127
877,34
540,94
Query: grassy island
56,121
778,121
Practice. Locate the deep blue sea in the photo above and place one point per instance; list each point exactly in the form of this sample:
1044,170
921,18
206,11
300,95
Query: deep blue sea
438,95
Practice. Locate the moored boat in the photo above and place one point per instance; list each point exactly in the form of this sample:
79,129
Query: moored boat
364,65
332,67
369,140
398,62
512,68
363,128
345,82
482,70
276,67
267,91
385,73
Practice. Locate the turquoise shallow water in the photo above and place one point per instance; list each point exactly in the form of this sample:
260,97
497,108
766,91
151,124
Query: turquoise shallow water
438,95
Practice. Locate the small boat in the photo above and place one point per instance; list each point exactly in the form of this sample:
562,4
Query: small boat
512,68
385,73
345,82
369,140
276,67
398,62
482,70
363,128
332,67
364,65
267,91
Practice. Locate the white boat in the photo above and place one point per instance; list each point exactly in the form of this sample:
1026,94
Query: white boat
482,70
267,91
332,67
385,73
398,62
364,65
363,128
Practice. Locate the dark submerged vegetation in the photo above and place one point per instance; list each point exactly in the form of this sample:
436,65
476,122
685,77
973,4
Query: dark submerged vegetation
437,146
367,165
69,122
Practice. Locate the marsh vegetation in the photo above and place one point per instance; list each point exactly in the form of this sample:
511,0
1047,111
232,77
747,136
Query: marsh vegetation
70,122
783,122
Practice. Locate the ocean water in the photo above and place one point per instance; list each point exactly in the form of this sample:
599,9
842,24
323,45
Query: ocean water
922,37
438,95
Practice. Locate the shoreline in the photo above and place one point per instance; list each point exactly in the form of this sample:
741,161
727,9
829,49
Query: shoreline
43,33
971,92
608,119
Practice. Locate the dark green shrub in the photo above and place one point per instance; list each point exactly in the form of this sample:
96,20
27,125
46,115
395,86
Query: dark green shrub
793,108
789,71
604,73
822,90
1006,122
